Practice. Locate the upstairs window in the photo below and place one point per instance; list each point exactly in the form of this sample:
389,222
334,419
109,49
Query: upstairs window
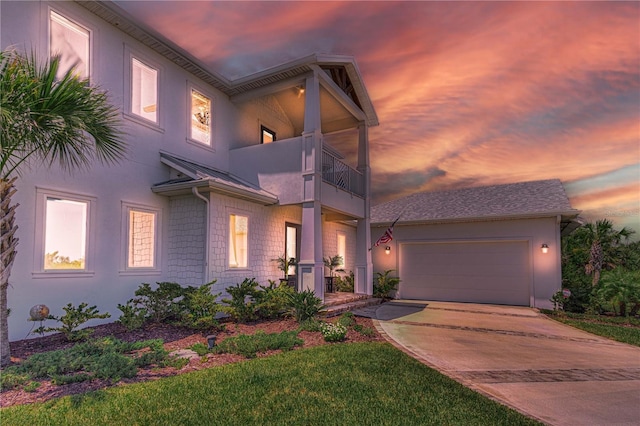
238,241
70,41
144,90
200,129
267,135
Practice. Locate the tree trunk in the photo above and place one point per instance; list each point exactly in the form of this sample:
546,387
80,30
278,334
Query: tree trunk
8,243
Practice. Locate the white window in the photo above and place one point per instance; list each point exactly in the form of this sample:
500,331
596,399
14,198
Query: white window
238,241
144,90
63,227
342,247
200,128
141,237
71,41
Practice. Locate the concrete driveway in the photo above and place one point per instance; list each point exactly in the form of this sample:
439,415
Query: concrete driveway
544,369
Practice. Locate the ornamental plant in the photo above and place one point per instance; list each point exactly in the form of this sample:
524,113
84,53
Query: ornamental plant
73,318
333,332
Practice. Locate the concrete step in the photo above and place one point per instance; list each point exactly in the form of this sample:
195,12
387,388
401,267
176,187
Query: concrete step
334,310
340,298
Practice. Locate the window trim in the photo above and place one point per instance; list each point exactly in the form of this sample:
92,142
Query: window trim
125,269
131,54
40,227
191,86
78,22
266,129
230,213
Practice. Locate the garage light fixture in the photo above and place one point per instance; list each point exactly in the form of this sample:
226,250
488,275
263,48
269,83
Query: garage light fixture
387,250
545,248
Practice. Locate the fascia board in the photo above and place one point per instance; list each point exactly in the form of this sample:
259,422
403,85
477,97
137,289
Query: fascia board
338,94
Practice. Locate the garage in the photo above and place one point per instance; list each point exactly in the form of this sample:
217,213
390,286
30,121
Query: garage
498,244
479,271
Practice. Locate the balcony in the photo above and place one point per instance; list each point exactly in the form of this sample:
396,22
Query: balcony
340,175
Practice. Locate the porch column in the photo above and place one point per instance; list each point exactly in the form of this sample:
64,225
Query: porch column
363,275
311,266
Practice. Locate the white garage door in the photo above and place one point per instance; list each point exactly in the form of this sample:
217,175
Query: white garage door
481,272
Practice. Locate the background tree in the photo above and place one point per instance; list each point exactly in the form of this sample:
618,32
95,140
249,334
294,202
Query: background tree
45,121
604,247
590,251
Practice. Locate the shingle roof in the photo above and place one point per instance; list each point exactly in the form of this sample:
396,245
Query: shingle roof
215,180
532,199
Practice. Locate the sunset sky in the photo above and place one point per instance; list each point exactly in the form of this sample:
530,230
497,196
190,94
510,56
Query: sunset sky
467,93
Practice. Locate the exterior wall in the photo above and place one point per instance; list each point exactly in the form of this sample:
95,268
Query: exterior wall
24,26
265,111
266,240
187,234
546,268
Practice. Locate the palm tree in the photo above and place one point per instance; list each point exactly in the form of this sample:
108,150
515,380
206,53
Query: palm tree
45,120
603,242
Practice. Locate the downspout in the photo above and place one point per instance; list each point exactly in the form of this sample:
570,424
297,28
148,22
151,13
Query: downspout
195,192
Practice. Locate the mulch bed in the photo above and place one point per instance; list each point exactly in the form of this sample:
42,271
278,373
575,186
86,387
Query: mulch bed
174,337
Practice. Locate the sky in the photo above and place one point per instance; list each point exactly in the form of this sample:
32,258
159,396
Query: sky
467,93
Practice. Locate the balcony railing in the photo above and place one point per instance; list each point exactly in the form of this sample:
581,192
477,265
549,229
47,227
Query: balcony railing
337,173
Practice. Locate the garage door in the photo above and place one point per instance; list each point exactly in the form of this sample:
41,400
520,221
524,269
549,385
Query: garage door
480,272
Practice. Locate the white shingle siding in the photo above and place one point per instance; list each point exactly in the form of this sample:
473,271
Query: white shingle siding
186,241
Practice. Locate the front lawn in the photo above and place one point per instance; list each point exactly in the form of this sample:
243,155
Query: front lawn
338,384
621,329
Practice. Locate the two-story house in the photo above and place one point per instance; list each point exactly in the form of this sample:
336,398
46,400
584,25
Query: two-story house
221,176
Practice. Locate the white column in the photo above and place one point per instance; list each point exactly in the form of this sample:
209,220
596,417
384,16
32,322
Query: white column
363,275
311,266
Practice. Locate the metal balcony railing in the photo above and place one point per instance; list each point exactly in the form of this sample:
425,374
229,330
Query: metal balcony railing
337,173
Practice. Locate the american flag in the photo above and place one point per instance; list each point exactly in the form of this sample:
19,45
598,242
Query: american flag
387,236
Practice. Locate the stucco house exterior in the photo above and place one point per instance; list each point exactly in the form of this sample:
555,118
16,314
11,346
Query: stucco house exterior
495,244
221,176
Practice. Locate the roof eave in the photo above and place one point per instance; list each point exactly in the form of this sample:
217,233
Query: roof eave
210,185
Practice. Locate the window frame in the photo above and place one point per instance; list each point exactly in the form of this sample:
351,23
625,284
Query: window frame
192,87
72,19
131,55
125,269
229,245
39,271
264,129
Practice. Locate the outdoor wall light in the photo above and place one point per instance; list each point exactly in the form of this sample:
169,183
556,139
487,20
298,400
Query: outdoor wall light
387,250
545,248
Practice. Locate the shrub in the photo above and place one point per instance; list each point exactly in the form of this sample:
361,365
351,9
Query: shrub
241,306
133,316
310,324
200,348
271,301
344,283
620,290
250,345
365,331
72,319
333,332
384,284
304,305
107,358
200,308
160,304
347,319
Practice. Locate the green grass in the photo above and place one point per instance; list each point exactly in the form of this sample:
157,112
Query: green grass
621,329
340,384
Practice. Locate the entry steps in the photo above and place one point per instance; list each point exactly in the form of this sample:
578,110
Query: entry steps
339,302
